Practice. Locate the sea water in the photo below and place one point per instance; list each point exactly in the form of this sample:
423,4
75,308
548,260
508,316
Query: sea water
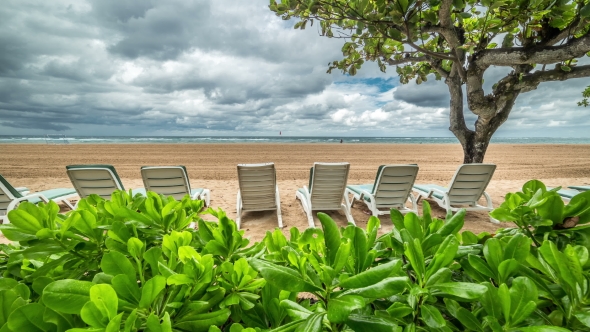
55,139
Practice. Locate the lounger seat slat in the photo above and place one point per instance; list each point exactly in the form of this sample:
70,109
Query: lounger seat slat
391,189
172,181
466,188
327,184
258,190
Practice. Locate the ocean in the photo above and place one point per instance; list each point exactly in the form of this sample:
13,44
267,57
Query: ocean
61,139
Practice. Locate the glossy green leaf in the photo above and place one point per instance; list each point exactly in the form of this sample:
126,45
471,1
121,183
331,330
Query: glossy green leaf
201,322
150,290
454,224
523,295
94,314
115,263
331,236
432,317
126,289
282,277
340,308
361,323
413,225
460,290
518,248
313,323
373,275
29,318
295,310
397,218
385,288
67,296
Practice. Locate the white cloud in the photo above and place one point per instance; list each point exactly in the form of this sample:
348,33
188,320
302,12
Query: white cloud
134,67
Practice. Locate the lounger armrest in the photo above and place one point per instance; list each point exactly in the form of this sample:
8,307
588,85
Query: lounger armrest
365,193
433,190
24,198
33,195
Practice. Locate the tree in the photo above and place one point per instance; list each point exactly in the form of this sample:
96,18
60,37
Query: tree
458,40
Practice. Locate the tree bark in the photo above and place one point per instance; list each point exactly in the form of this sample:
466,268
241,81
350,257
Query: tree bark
490,117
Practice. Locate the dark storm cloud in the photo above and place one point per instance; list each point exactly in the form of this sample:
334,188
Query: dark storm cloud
431,93
146,67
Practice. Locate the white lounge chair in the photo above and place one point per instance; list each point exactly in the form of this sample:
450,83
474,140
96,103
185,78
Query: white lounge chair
10,197
391,189
466,188
172,181
258,190
101,180
327,183
580,188
567,194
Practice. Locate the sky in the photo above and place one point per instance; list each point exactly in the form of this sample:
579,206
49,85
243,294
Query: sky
220,67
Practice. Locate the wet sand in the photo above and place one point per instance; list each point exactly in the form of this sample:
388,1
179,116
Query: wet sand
40,167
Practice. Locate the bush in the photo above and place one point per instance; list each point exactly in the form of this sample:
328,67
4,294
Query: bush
133,264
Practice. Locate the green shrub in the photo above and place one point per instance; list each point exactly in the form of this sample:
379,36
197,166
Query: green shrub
133,264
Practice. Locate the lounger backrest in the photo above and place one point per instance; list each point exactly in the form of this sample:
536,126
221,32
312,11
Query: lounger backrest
257,186
101,180
7,195
327,184
469,183
393,184
166,180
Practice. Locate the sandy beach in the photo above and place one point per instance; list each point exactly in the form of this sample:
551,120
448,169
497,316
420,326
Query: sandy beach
213,166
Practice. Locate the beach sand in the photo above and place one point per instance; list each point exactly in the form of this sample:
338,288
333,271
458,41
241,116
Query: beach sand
213,166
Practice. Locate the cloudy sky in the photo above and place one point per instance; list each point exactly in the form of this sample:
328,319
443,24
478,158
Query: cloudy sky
218,67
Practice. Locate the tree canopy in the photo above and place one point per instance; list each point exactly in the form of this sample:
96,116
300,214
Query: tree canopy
458,40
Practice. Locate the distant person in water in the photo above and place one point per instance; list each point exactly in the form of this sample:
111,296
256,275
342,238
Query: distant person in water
341,141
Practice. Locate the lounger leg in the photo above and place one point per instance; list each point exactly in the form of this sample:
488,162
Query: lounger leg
68,203
490,206
348,192
278,202
238,210
206,196
414,202
349,218
346,208
447,206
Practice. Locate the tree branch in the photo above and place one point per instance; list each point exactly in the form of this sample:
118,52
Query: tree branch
570,30
531,81
575,48
415,59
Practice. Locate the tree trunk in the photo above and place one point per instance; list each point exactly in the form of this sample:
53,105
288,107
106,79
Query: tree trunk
475,148
474,142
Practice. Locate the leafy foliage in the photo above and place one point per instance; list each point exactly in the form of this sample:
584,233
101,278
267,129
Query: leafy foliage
137,266
457,40
541,214
585,94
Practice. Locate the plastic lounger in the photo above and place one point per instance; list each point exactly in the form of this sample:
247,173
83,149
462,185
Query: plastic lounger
258,190
327,184
172,181
466,188
567,194
101,180
10,197
580,188
391,189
